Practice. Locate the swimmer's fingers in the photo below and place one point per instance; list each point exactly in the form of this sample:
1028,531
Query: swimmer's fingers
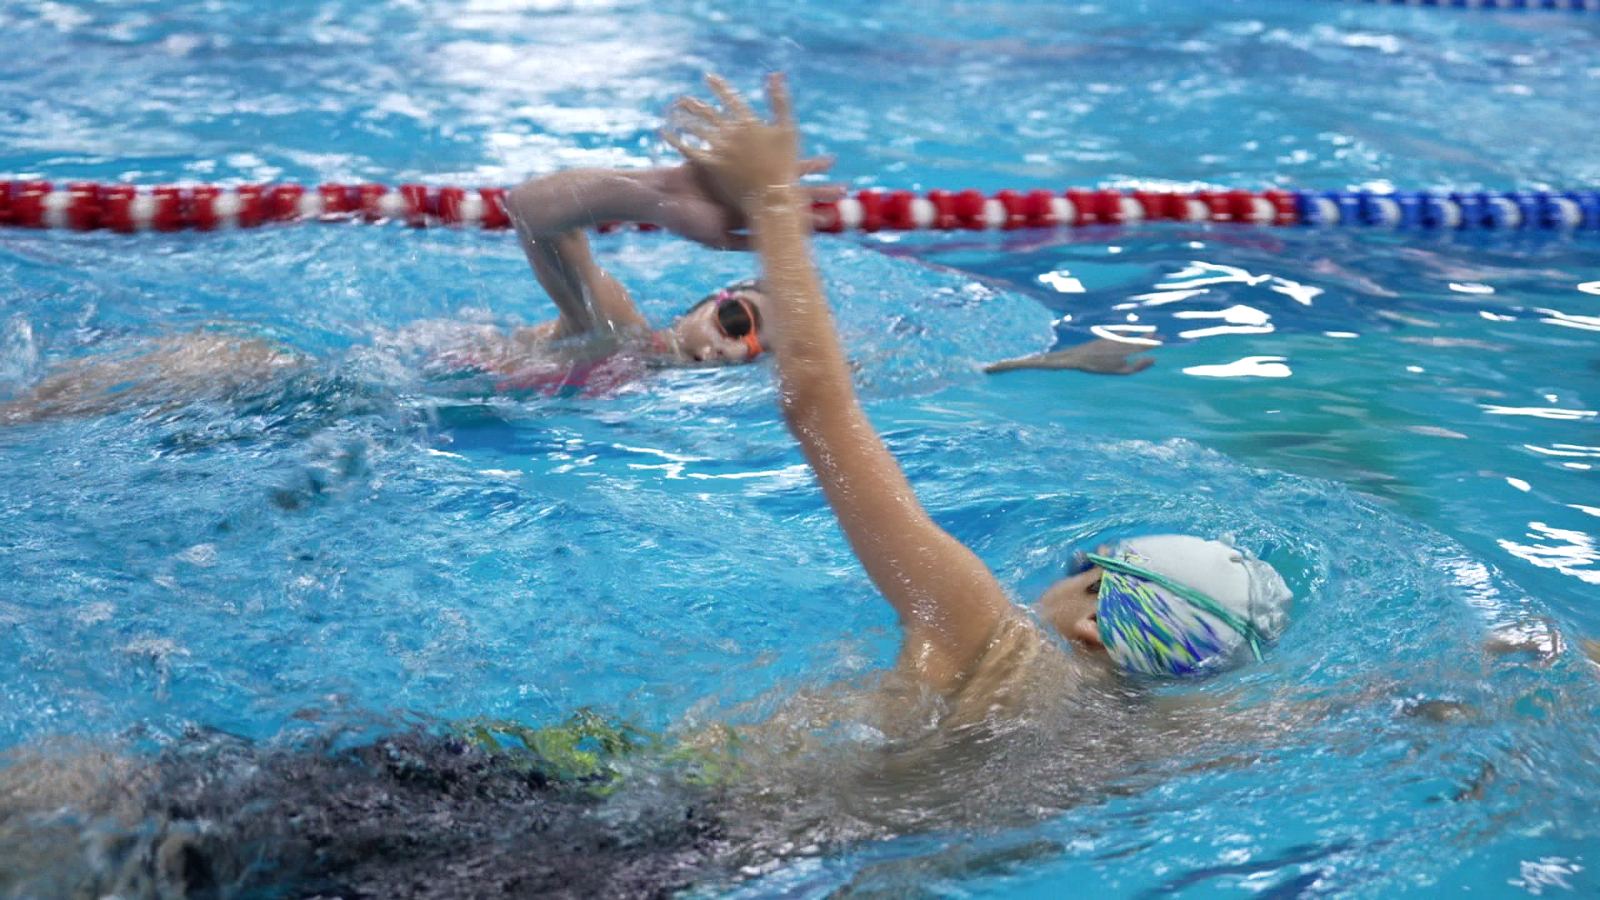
819,193
695,109
825,193
1116,357
778,99
1137,365
731,101
815,165
701,130
693,154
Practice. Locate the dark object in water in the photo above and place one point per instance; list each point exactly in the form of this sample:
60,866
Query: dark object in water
413,814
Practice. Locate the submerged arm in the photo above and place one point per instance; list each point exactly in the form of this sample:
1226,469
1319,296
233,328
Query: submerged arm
947,600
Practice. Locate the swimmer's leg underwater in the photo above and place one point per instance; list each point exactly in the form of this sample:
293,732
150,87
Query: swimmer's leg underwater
200,365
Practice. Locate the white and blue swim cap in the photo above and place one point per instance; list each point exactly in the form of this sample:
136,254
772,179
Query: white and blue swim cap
1176,605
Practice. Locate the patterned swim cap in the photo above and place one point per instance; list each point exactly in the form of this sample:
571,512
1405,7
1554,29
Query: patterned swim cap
1175,605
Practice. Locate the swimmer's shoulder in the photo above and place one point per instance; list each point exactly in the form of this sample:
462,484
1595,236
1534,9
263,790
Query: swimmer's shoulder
1021,665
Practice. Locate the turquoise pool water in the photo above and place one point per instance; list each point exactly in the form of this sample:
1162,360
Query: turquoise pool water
1407,425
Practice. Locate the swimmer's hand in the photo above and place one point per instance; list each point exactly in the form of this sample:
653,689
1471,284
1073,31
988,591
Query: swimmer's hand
743,157
1101,356
691,206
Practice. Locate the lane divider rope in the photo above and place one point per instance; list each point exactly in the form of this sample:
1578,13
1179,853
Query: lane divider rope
1559,5
86,206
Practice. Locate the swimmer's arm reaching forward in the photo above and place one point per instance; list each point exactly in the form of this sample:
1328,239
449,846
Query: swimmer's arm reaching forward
948,601
551,213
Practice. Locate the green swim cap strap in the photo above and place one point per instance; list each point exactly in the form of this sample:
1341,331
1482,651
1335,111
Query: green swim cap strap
1198,599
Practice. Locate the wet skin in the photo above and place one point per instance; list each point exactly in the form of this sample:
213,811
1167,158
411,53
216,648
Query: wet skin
1071,607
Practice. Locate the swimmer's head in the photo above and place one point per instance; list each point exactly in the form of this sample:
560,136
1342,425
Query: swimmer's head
1169,605
724,327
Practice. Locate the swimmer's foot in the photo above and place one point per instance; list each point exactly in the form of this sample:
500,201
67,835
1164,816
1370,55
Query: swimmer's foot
1591,649
1102,357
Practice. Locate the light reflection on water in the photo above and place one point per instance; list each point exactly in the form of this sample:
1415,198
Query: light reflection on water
1354,362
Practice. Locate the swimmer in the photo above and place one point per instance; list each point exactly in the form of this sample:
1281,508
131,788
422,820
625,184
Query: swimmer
551,215
1166,606
597,318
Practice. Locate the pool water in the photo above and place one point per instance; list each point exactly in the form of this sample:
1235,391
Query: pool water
1405,424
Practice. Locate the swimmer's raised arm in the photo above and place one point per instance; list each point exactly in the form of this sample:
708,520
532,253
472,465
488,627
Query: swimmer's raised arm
948,601
551,213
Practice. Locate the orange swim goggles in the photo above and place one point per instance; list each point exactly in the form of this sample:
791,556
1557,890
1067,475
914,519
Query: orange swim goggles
737,320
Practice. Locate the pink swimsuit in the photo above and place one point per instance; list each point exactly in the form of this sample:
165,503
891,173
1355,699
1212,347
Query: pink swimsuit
590,378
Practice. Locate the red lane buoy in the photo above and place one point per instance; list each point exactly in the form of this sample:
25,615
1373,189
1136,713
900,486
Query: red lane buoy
282,202
1216,205
1283,204
1015,207
1159,205
338,201
252,205
899,210
495,214
116,207
371,202
27,203
944,210
83,206
969,208
1039,206
1107,207
1246,206
166,208
203,202
450,201
871,210
825,217
1084,205
417,204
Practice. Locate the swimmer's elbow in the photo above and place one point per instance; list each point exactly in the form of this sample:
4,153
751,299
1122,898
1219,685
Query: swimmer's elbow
528,203
555,203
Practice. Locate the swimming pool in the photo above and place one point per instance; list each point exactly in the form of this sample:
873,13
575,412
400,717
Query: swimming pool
1407,422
